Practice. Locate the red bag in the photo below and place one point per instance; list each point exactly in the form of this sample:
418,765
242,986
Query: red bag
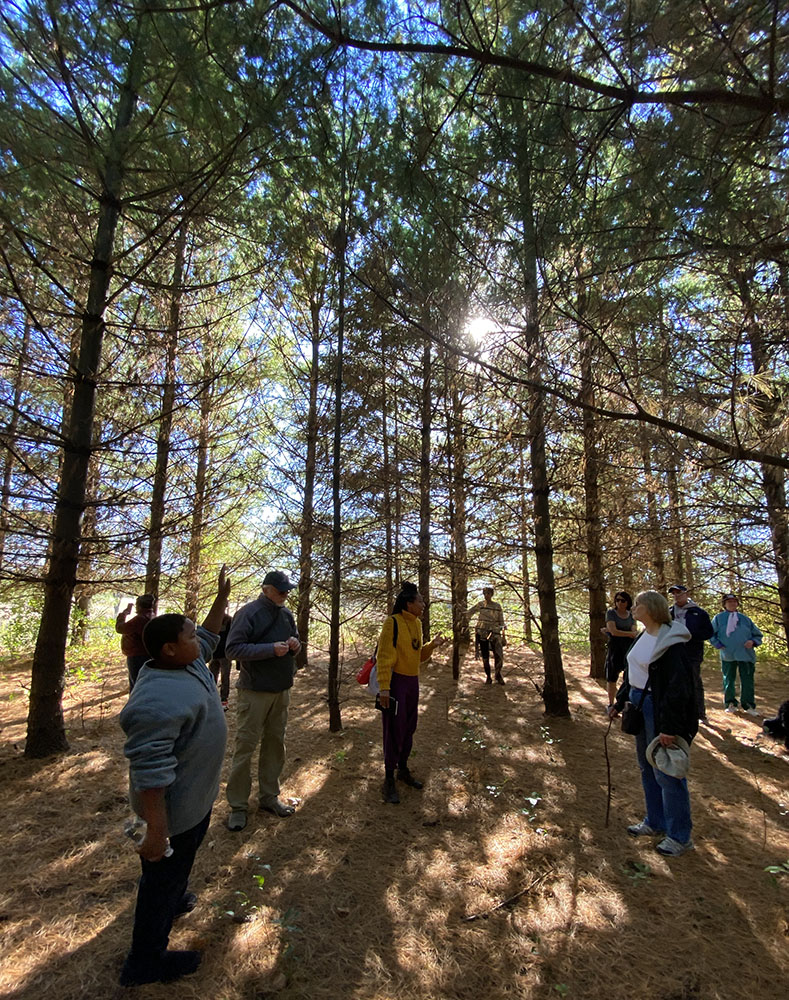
363,675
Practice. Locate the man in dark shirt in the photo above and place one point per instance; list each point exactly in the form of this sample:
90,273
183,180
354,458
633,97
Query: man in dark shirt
697,622
264,640
131,631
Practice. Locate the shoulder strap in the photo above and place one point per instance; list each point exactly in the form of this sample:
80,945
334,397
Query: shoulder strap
394,631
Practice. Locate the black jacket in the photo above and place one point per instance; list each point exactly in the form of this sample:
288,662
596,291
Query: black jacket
671,686
698,623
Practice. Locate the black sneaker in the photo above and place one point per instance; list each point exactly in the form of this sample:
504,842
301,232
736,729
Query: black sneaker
404,775
187,904
389,791
172,965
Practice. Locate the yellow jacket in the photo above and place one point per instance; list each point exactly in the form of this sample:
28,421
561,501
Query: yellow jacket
409,652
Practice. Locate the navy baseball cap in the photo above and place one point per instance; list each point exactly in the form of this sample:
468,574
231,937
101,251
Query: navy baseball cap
279,580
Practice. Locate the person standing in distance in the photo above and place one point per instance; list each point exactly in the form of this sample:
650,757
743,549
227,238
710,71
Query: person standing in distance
735,636
697,622
264,640
489,631
130,631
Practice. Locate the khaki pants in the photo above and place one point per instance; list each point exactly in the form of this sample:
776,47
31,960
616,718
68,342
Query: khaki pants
262,716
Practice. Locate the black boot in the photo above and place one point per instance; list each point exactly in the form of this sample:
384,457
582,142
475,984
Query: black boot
389,790
499,678
404,775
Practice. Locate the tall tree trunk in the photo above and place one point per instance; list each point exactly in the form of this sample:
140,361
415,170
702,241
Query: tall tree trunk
307,533
340,247
423,553
84,587
527,543
679,573
10,435
594,543
389,562
458,520
770,410
653,521
194,564
153,569
554,691
46,732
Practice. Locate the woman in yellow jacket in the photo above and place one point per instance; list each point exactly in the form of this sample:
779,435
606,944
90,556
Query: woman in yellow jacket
398,676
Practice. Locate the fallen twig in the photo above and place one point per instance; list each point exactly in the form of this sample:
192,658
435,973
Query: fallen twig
510,899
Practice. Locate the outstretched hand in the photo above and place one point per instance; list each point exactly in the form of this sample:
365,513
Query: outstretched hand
215,617
223,587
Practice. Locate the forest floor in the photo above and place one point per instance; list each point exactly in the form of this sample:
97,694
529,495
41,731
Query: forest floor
500,879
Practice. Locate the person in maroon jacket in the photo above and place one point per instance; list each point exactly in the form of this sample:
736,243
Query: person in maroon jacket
131,633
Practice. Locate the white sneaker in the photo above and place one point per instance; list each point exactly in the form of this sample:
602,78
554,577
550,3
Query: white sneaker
643,829
753,711
731,708
673,848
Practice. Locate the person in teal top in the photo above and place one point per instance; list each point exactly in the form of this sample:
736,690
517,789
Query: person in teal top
736,637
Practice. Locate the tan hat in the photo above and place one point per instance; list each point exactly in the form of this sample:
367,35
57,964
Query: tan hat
673,760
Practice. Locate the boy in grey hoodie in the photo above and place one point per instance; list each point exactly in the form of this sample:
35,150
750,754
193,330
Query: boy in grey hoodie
175,743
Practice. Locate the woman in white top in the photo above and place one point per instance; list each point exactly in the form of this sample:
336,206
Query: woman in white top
659,679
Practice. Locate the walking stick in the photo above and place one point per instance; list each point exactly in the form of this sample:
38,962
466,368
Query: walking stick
608,771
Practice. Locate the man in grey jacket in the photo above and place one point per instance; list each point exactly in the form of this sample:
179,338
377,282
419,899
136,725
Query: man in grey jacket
264,640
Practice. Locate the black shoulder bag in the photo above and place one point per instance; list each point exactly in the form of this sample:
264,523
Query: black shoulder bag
633,716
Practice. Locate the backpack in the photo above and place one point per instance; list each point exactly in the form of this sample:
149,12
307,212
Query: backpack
368,672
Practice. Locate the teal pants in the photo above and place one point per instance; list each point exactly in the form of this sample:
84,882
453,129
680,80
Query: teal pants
747,670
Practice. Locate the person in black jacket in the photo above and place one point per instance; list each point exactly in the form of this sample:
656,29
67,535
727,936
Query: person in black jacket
697,622
659,678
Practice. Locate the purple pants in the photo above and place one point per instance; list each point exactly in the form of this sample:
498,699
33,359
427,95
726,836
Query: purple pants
399,728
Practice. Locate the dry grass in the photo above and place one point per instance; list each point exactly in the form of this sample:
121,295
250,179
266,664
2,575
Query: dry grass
362,900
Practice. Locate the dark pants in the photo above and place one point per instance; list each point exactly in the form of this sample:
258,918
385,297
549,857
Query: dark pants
220,668
400,726
695,660
160,891
485,647
133,664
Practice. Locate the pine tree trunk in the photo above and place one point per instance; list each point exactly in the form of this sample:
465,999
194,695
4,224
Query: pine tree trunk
554,691
307,533
153,570
653,521
770,410
84,586
457,438
389,561
9,437
45,724
594,543
194,564
527,544
423,553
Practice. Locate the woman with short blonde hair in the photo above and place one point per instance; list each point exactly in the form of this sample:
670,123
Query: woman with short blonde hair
659,681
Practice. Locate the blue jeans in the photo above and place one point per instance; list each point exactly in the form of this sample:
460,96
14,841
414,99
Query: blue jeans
667,798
